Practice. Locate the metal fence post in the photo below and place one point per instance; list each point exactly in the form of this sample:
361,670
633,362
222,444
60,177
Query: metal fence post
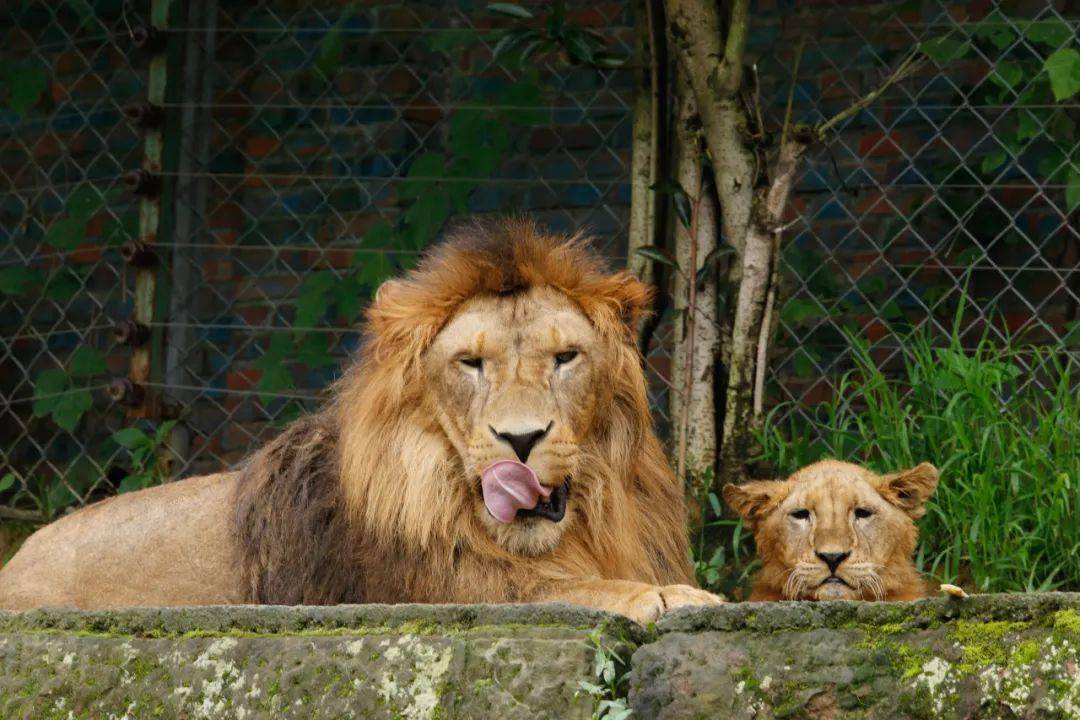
146,182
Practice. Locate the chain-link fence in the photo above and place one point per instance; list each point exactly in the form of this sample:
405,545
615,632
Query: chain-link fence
295,154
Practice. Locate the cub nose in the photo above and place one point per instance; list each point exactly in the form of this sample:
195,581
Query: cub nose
833,559
522,442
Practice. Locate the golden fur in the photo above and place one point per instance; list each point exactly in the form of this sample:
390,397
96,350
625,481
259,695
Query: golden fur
839,513
377,497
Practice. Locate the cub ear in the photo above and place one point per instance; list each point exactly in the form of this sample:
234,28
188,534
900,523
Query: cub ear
910,489
754,500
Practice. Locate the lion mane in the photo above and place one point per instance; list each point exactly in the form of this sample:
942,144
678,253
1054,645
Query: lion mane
365,501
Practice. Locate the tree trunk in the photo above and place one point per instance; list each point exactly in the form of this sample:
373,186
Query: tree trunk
697,331
644,161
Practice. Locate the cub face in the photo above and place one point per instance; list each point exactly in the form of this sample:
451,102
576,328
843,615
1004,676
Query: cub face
836,531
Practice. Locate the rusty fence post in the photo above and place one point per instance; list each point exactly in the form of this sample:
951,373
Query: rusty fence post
146,183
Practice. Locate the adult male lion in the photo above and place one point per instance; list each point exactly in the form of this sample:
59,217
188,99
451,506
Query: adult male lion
492,444
836,531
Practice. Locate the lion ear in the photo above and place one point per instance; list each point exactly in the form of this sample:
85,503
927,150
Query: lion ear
754,500
910,489
628,297
402,318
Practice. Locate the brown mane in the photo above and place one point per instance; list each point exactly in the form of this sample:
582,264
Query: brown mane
363,501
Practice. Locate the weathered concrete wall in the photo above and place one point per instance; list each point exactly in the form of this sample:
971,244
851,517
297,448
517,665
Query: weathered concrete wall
1003,656
986,657
347,662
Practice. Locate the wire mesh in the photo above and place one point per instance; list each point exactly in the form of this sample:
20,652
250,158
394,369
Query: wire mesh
313,149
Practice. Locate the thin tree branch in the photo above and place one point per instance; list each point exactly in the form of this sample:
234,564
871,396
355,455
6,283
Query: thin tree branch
904,70
791,90
691,327
26,516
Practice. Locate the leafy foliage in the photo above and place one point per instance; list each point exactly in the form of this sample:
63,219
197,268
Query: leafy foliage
1036,64
146,465
610,670
60,394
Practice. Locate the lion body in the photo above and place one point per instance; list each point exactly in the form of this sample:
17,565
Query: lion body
376,498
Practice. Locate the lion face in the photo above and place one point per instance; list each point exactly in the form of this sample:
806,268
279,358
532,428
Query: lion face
836,531
517,378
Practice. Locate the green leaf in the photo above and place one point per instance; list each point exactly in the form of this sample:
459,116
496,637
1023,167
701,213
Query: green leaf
527,99
275,378
349,297
67,233
47,385
656,255
993,161
70,408
796,310
313,351
1054,33
84,203
15,280
163,430
25,83
1063,67
276,353
945,49
511,10
130,438
682,207
379,236
425,170
995,28
374,268
63,283
1072,190
1027,126
425,218
7,482
86,362
133,482
1007,74
330,49
313,302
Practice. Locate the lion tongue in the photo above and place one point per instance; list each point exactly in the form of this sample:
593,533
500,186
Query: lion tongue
510,486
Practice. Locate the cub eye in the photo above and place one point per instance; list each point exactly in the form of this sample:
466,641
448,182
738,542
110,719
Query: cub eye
473,362
801,514
863,513
565,357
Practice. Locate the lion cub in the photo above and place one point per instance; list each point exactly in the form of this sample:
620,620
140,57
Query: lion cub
836,531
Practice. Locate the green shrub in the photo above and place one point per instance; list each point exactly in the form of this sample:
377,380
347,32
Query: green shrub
1002,424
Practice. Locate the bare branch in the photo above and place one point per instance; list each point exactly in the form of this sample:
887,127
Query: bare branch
26,516
791,90
904,70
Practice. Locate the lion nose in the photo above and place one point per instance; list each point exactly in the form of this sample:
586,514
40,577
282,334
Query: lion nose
522,442
833,559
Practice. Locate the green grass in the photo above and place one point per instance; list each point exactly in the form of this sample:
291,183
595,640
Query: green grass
1002,424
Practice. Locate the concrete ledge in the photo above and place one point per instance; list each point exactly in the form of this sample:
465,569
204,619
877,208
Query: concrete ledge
987,656
275,662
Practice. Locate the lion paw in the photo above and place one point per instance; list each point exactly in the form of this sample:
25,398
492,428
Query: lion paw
650,604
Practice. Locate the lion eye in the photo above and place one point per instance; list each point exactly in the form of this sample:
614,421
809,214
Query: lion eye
473,362
863,513
801,514
565,357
